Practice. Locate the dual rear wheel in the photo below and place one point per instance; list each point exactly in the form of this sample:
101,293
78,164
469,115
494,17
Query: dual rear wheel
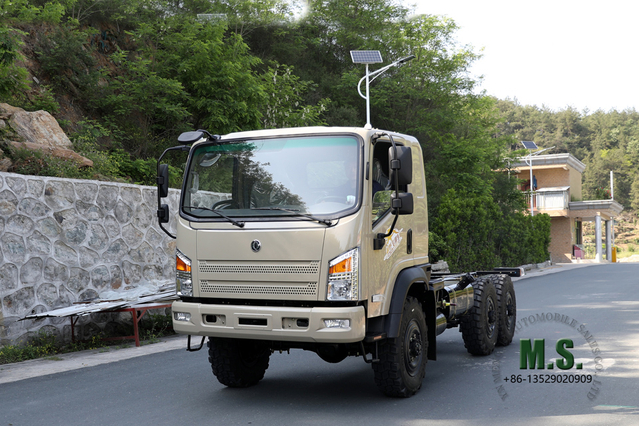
491,320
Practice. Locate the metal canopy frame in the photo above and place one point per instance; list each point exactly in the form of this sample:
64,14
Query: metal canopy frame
530,145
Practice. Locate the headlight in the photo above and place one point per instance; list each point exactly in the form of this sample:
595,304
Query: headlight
183,280
343,277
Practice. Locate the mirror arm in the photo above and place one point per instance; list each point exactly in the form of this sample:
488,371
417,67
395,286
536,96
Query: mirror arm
380,240
162,212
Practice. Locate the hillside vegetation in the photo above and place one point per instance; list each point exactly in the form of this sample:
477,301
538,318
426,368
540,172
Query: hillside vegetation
604,141
125,77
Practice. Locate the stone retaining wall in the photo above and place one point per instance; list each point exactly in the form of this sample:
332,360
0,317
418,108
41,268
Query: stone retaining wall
66,240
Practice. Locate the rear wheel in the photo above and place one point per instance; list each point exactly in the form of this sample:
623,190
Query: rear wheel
507,309
480,326
238,363
402,360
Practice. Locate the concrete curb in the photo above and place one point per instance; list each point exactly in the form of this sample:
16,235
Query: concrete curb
553,268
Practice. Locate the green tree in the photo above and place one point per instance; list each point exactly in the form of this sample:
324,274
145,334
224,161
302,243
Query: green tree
33,11
216,70
13,78
67,61
284,101
244,16
468,247
146,106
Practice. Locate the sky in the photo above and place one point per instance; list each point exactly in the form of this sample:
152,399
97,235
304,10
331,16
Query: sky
557,54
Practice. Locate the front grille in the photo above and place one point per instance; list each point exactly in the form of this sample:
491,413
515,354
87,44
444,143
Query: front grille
269,280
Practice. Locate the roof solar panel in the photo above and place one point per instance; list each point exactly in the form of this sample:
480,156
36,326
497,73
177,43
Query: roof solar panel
366,56
529,145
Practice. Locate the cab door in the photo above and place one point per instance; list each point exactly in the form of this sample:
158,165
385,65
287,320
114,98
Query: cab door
385,263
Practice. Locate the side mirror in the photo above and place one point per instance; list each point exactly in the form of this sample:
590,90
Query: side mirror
190,137
163,191
163,213
400,161
402,203
163,180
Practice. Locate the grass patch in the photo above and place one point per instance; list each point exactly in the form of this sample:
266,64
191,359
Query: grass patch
154,326
45,345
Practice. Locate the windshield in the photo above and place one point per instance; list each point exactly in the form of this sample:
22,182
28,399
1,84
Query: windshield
313,175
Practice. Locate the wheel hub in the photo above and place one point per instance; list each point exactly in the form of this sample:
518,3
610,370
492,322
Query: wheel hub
491,316
413,348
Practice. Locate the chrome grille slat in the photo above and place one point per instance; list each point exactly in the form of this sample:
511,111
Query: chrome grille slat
258,268
309,289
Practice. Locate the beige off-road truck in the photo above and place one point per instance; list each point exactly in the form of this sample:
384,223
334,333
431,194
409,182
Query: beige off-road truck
317,239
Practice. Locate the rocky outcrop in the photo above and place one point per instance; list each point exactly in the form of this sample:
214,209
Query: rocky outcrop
38,131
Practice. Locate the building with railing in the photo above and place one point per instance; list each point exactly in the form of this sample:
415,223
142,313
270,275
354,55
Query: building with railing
556,190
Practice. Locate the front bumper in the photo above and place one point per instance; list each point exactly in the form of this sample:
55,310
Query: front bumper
271,323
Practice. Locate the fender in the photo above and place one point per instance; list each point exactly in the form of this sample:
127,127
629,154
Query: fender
416,275
413,281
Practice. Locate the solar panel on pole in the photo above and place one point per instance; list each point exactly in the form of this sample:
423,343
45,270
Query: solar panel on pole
366,56
529,145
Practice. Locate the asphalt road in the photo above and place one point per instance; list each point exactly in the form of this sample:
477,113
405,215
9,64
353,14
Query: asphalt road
598,303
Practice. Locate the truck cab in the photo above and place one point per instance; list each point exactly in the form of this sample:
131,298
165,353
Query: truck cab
312,238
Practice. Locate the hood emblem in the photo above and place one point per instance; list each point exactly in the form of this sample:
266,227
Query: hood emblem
256,245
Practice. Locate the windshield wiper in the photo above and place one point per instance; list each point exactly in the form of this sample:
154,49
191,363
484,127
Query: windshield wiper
296,213
233,221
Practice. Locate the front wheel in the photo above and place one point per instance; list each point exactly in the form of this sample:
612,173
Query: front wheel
402,360
238,363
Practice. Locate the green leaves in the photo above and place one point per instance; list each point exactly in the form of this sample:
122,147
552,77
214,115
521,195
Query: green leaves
470,232
150,104
68,62
13,78
284,103
468,246
215,70
26,11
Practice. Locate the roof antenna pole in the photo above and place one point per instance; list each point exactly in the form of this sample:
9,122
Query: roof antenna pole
368,101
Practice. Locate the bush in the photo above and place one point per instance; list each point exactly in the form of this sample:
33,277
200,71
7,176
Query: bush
14,81
43,99
41,345
467,224
38,163
67,60
470,232
154,326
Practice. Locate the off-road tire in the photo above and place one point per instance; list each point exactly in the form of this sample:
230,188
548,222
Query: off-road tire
402,360
238,363
507,309
480,326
